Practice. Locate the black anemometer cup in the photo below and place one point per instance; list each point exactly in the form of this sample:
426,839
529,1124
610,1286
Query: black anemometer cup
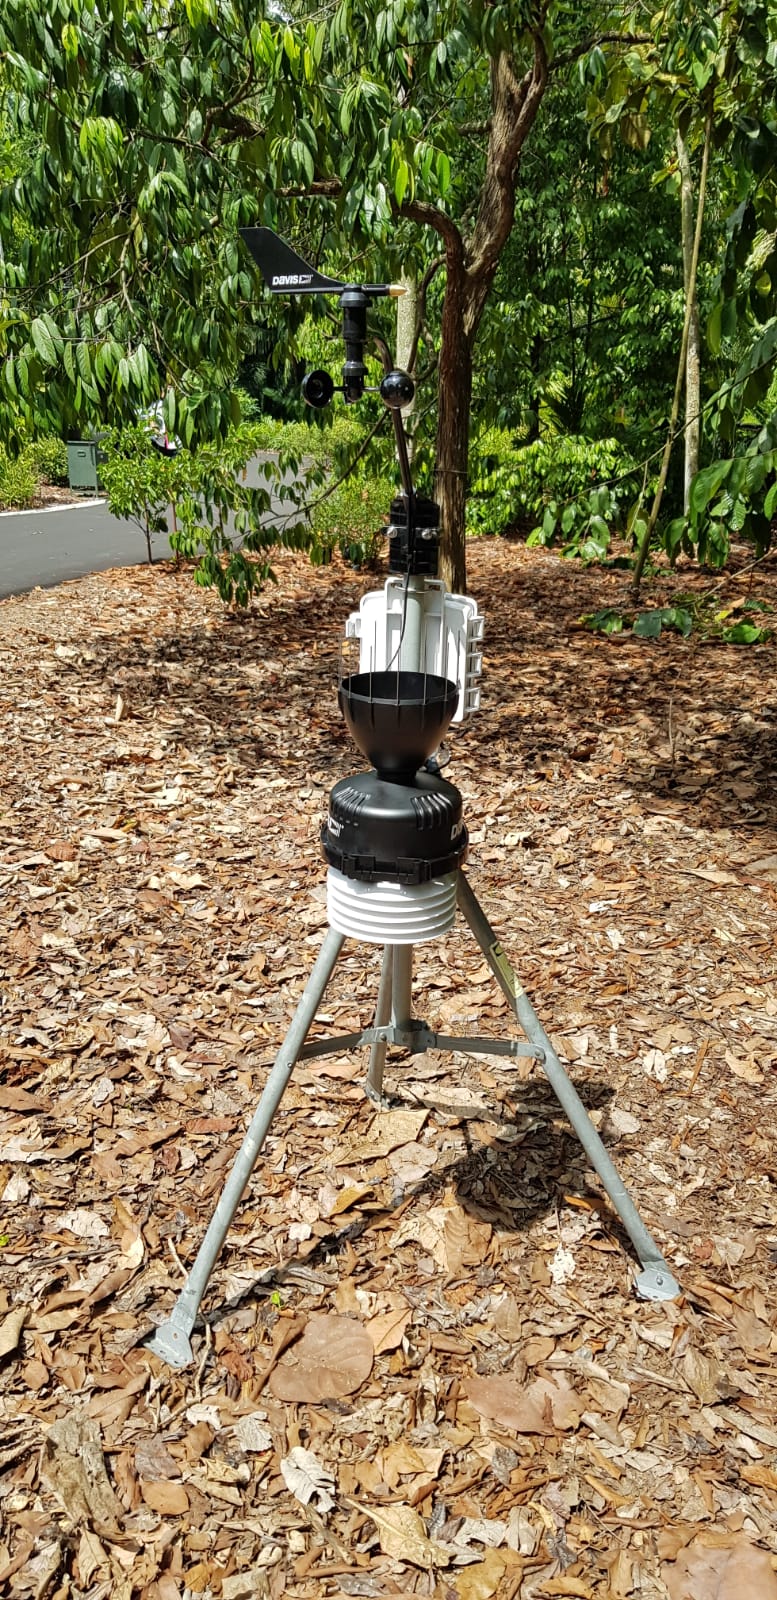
317,388
396,389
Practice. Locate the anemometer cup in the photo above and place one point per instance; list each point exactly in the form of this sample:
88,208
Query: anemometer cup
317,388
397,389
397,719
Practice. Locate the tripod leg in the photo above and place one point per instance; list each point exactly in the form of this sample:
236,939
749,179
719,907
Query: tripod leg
655,1282
402,984
382,1016
171,1340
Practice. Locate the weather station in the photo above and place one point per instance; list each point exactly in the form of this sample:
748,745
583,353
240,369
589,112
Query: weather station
395,838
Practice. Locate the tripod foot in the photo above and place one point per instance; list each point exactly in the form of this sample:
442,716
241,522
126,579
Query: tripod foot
384,1102
656,1283
172,1344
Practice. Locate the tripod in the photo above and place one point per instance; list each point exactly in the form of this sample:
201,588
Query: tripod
394,838
395,1025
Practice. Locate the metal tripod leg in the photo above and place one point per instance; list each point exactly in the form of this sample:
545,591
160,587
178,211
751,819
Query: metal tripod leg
402,986
171,1340
655,1282
382,1017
